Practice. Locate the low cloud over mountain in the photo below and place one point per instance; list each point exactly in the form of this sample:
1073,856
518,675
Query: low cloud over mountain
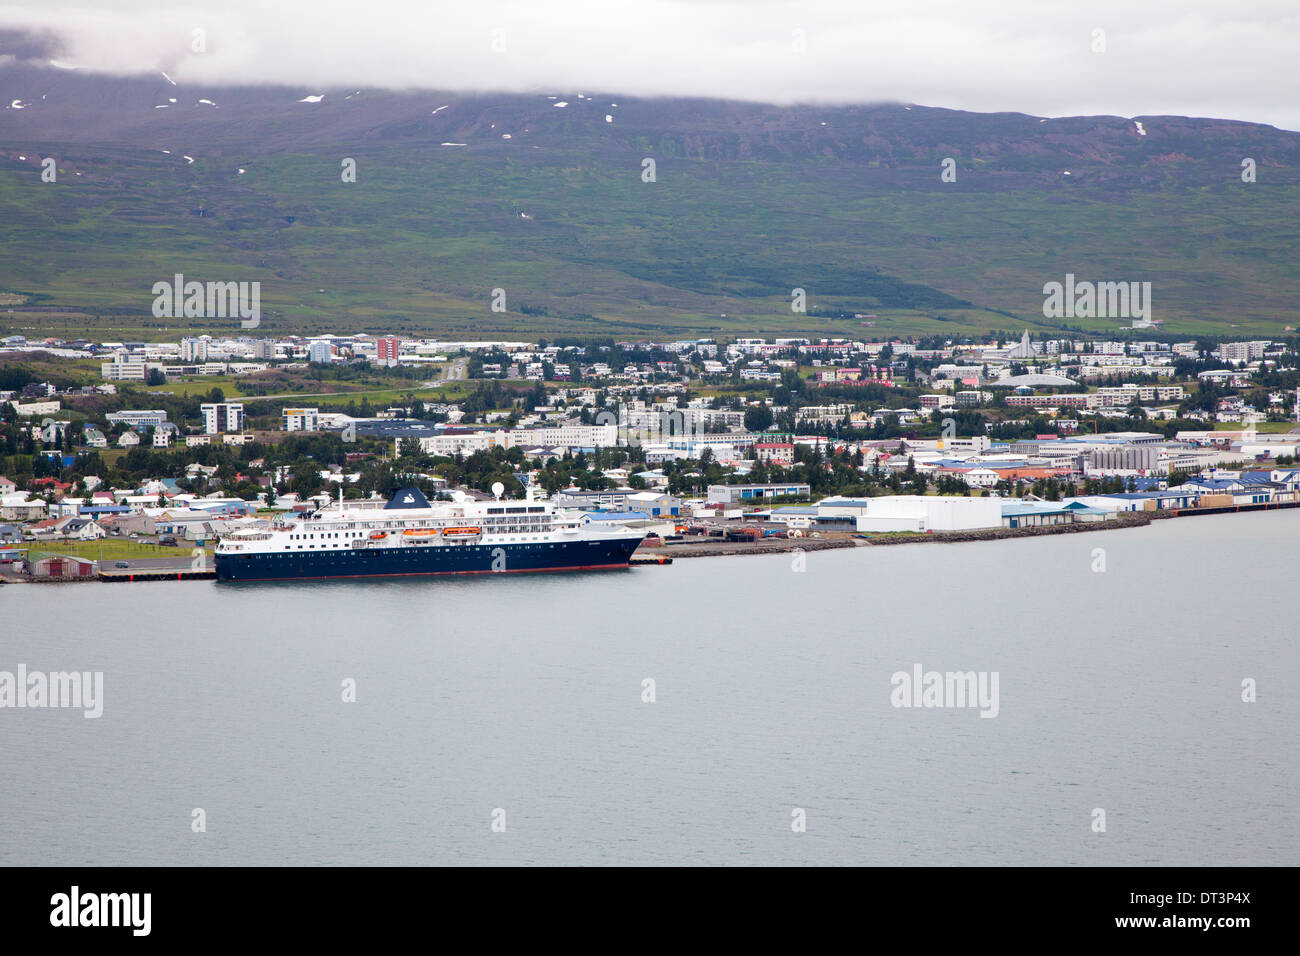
1121,58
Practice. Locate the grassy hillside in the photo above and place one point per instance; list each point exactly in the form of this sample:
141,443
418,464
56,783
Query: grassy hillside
750,202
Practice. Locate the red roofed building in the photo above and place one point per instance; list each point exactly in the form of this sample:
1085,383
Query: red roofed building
54,483
781,453
1031,474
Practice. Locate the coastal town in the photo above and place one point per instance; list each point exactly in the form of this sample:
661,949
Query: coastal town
124,459
675,434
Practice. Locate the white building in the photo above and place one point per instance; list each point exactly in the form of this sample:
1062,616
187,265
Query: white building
18,507
194,349
976,445
301,419
221,417
747,494
929,513
562,436
31,409
981,477
124,368
139,419
1238,353
320,351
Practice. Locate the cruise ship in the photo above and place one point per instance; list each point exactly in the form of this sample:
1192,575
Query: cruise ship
411,536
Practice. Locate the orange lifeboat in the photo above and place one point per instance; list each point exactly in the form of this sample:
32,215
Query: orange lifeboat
378,535
461,532
420,532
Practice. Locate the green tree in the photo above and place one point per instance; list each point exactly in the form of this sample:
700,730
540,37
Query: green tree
758,418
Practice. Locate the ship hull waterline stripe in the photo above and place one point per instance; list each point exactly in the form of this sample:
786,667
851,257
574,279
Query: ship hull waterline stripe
430,574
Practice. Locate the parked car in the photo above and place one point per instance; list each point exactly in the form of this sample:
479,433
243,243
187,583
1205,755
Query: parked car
168,540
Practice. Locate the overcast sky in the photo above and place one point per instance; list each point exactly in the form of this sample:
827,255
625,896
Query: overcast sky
1239,60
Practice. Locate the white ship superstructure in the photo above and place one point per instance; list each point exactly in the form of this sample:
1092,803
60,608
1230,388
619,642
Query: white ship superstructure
410,535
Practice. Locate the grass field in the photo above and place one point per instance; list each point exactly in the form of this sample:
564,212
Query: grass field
113,549
1263,428
238,388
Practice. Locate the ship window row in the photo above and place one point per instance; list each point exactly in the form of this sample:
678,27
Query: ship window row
516,525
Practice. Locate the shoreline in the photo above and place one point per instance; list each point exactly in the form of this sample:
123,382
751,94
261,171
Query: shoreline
1121,521
708,548
787,545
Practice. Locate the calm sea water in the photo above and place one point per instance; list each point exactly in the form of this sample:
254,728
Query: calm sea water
1119,690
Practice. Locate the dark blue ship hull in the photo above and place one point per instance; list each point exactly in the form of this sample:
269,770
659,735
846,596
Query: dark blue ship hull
422,560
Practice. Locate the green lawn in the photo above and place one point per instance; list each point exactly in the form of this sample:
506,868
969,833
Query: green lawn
1263,428
230,385
114,549
300,387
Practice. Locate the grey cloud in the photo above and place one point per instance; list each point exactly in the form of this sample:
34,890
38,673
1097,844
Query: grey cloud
1194,58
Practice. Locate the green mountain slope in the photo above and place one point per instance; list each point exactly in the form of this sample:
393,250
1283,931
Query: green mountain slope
749,203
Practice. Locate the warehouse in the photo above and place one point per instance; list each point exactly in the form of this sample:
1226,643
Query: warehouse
928,513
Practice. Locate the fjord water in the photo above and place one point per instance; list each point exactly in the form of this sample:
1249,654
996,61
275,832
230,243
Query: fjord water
1119,690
